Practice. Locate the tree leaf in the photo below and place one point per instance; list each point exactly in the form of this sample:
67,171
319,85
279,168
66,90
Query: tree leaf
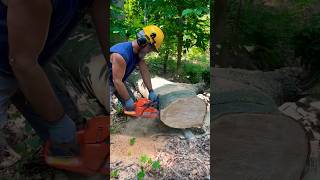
156,165
187,11
141,174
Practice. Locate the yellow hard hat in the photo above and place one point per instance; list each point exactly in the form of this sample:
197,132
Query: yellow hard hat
154,35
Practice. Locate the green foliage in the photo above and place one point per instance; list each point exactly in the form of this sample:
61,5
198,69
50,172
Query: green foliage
187,18
206,75
307,44
141,174
271,30
114,173
132,141
148,165
195,66
117,27
156,165
144,159
119,109
195,73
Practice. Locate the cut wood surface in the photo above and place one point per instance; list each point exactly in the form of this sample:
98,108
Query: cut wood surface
250,146
252,139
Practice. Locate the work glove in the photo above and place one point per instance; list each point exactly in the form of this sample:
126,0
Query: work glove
152,96
63,137
129,105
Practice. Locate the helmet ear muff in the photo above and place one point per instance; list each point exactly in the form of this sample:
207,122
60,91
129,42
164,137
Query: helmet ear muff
141,39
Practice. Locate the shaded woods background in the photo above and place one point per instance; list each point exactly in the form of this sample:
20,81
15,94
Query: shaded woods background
269,34
184,56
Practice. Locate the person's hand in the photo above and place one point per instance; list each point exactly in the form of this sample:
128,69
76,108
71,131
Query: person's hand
129,105
152,96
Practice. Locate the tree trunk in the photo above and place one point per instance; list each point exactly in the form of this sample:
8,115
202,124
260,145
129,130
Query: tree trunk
165,61
220,13
239,16
179,50
179,105
84,69
280,85
180,37
250,133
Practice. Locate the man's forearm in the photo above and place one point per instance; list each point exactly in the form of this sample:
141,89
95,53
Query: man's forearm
28,25
121,89
146,77
35,85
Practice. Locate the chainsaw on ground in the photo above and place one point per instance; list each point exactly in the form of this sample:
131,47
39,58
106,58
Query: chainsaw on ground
145,108
94,150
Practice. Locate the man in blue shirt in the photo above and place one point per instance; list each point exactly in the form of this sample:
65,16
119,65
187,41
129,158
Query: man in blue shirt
31,32
126,56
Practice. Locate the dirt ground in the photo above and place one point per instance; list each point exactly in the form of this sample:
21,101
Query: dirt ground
180,156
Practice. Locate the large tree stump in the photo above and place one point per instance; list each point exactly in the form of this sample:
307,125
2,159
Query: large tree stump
252,139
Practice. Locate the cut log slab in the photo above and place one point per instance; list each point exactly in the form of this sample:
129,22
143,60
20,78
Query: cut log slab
231,96
281,85
81,57
179,105
261,146
252,139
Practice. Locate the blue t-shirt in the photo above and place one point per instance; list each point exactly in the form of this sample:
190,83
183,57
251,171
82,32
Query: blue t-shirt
125,49
65,17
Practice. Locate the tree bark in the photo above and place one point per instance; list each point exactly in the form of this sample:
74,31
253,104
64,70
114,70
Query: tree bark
84,69
281,85
220,13
180,36
179,50
165,61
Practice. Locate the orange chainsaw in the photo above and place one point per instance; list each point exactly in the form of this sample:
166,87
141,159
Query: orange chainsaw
94,150
145,108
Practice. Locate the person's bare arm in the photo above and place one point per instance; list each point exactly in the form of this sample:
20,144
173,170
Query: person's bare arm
118,71
98,13
144,71
28,24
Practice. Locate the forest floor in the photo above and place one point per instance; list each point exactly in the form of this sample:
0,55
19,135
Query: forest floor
153,154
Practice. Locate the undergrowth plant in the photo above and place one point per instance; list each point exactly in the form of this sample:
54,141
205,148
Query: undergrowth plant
147,165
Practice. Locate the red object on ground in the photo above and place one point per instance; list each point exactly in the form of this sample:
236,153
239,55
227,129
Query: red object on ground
144,108
94,150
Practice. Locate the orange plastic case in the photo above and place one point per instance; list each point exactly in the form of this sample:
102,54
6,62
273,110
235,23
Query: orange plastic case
94,150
